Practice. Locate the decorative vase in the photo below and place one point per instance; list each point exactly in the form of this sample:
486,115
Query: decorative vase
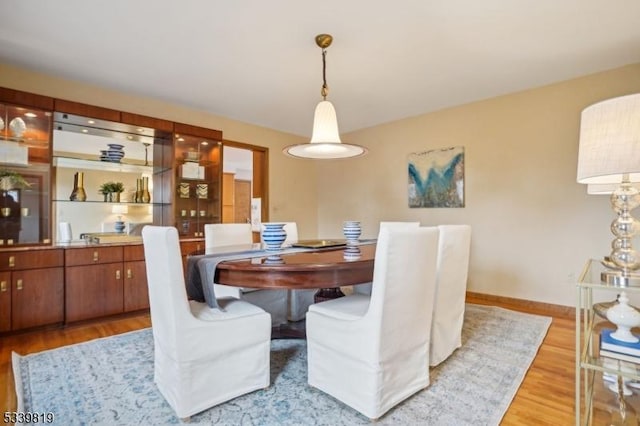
624,317
137,197
273,235
351,253
145,196
112,197
78,193
274,259
351,230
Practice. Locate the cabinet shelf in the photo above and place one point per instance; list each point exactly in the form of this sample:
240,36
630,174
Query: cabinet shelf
90,164
108,203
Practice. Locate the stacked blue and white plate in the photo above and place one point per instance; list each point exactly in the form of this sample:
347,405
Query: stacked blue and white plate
114,154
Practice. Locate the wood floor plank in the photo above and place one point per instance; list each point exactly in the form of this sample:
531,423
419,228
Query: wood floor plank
546,396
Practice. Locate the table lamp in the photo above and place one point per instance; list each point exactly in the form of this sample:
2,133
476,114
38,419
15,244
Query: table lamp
119,210
609,153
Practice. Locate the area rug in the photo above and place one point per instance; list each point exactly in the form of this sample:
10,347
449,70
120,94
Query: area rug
109,381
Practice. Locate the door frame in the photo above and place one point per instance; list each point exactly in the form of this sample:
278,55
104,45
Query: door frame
260,178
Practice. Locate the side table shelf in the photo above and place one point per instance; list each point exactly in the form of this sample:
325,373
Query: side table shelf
597,400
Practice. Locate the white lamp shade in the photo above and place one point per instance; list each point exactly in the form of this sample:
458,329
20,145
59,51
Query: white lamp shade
119,209
325,139
610,141
325,124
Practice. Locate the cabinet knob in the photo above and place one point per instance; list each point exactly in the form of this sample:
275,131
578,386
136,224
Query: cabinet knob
12,261
117,274
95,256
3,286
129,273
19,284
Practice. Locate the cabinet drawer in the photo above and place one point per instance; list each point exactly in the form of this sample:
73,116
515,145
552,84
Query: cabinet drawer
93,255
134,252
19,260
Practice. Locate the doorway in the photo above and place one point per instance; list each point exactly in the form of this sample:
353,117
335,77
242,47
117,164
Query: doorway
244,184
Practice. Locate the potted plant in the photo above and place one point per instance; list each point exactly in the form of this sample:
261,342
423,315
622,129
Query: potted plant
111,191
12,180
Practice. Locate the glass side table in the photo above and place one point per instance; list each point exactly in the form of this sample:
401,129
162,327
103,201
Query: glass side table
598,401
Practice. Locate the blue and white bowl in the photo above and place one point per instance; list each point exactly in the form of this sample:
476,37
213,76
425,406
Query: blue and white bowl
117,155
113,155
273,235
109,159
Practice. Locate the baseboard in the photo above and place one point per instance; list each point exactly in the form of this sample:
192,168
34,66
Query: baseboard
540,308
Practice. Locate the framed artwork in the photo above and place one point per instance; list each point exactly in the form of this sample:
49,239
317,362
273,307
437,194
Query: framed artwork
436,178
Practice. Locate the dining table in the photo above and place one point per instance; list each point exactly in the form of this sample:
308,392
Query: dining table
314,268
325,269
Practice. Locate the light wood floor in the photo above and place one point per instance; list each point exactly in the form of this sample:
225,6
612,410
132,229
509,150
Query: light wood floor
546,396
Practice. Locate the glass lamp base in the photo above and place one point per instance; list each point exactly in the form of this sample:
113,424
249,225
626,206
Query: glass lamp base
618,279
119,227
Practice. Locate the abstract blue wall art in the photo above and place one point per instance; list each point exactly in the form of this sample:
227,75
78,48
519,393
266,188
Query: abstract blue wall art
436,178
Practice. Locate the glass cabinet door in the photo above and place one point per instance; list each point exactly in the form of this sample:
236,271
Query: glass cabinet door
25,155
198,172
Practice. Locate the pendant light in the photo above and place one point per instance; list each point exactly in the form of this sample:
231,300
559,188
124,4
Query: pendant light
325,140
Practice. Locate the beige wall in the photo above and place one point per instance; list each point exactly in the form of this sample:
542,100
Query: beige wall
533,225
287,176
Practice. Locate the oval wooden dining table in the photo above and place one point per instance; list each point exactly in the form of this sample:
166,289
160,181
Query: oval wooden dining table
321,269
324,269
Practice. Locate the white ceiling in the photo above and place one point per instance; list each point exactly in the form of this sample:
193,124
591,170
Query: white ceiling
256,61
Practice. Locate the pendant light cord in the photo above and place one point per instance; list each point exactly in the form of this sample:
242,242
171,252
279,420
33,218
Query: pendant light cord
325,88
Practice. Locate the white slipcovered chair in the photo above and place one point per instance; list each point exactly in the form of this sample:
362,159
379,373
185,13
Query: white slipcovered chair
366,287
231,234
202,356
452,271
298,300
372,353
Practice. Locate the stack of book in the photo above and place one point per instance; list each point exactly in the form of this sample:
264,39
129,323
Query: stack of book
613,348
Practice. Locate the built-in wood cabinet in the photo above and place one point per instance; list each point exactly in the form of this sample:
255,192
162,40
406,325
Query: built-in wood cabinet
58,283
102,281
93,282
31,288
135,288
